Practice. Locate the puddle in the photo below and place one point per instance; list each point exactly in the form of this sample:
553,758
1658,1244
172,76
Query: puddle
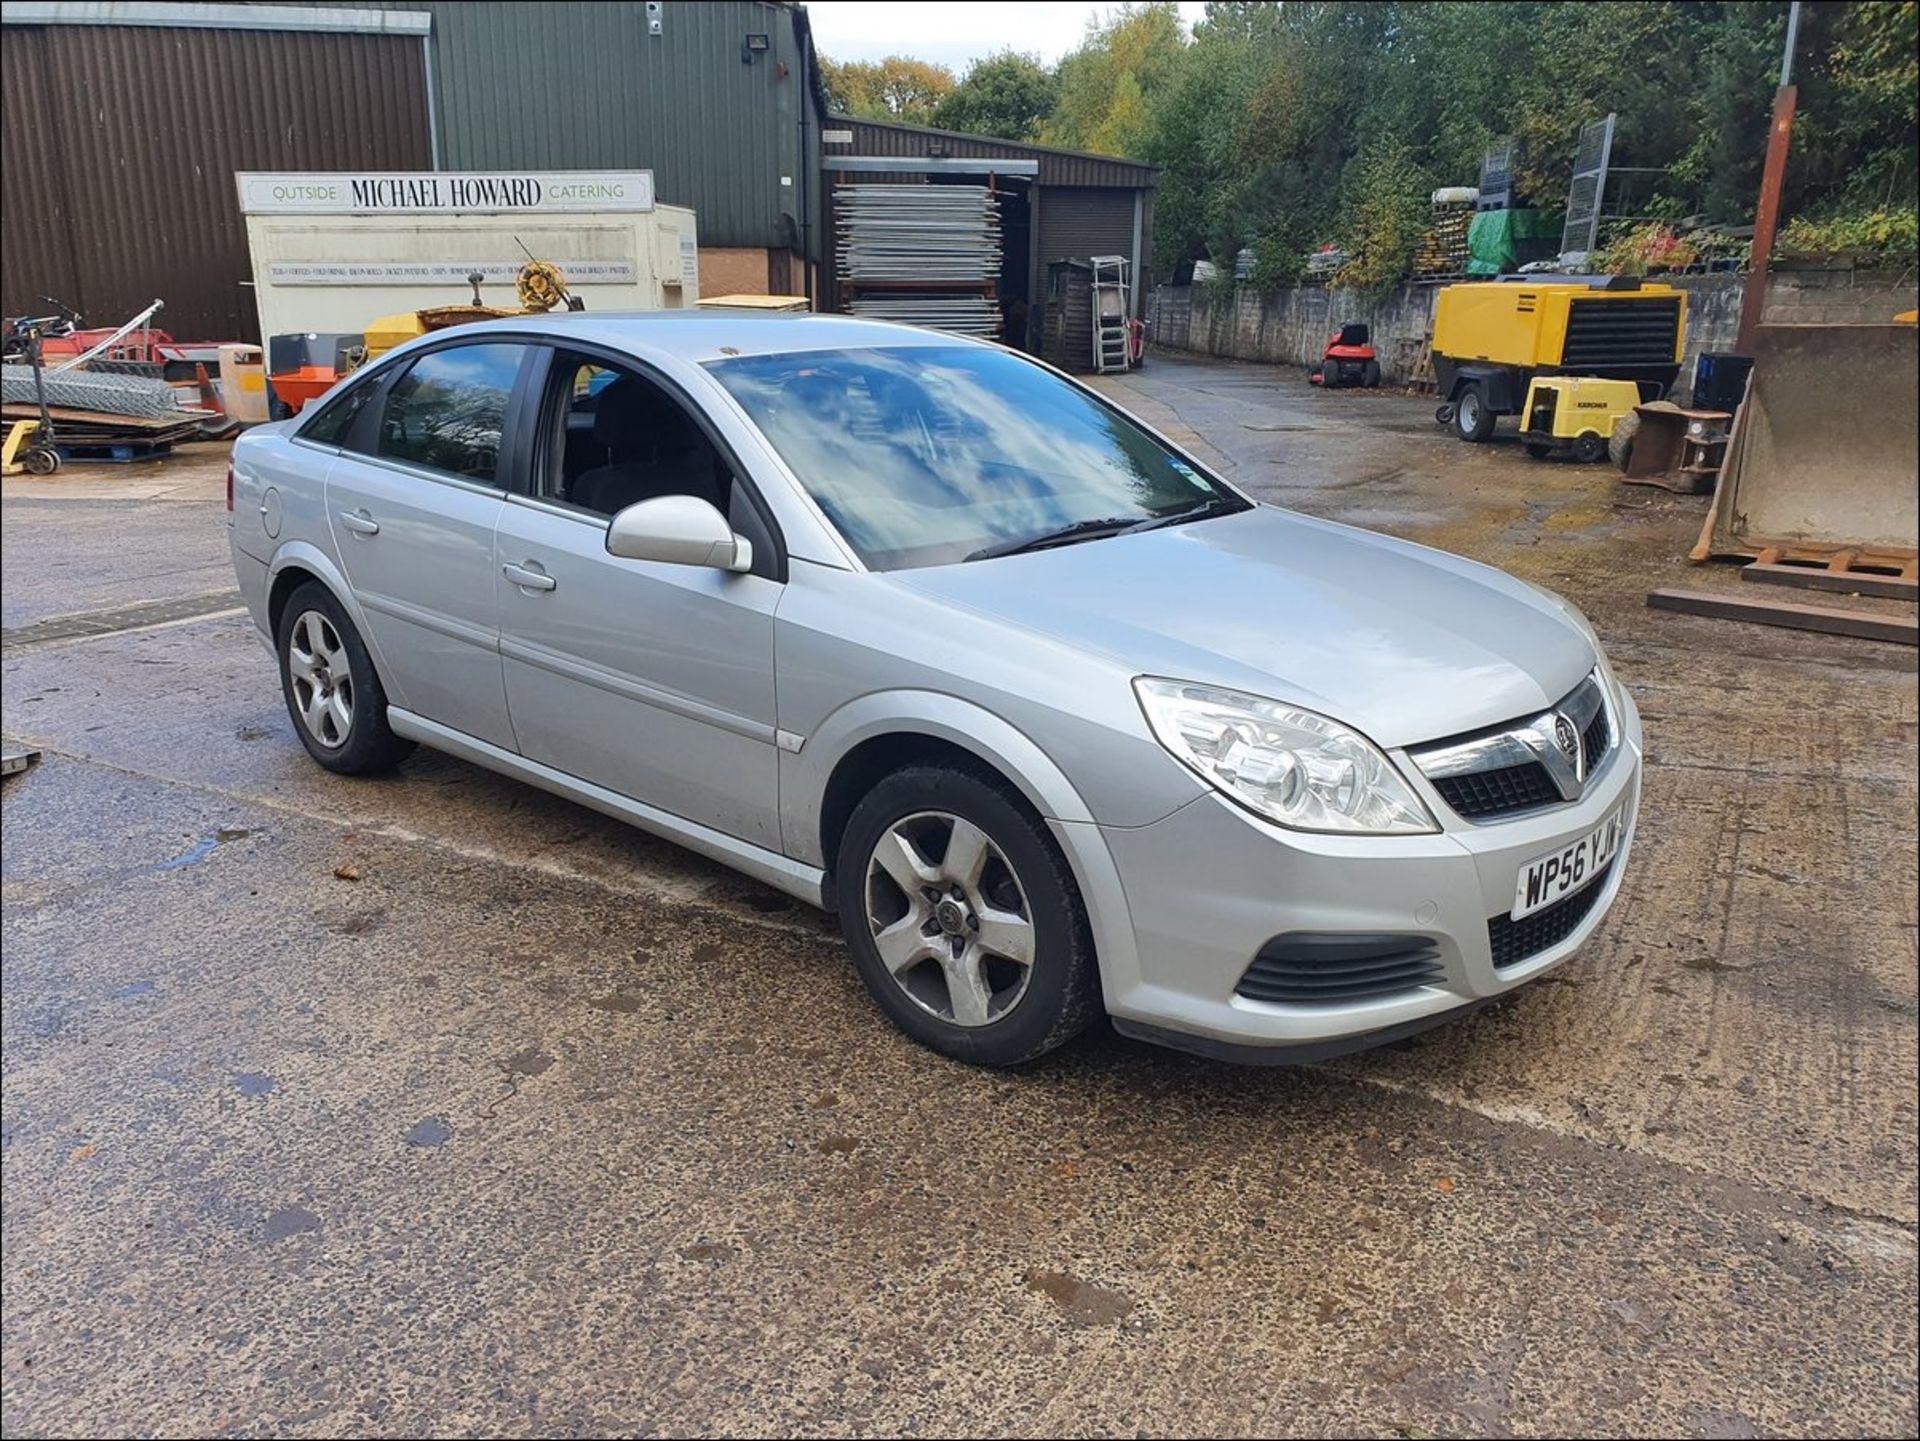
291,1221
433,1131
837,1145
346,921
204,848
705,1251
1712,964
132,989
618,1002
252,1084
1083,1303
530,1062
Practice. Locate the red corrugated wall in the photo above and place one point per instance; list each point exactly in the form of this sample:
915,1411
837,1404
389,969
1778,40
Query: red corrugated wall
120,145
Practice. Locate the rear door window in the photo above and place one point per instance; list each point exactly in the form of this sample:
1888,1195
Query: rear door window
448,412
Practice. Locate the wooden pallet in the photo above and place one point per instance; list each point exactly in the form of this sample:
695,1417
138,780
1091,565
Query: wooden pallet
1421,379
114,453
1847,571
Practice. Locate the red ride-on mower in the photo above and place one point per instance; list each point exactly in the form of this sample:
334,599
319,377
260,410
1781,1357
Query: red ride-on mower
1348,361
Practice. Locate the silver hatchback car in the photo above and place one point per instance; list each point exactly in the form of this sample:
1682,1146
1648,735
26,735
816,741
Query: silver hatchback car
925,633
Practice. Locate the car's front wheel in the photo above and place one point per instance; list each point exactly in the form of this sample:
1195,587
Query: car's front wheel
333,693
963,918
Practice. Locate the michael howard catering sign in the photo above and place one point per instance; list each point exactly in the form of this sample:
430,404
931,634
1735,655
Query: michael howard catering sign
443,192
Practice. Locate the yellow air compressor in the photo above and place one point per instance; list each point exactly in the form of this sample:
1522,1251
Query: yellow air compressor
1574,413
1490,338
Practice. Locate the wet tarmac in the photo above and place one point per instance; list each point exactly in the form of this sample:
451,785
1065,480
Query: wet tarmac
434,1104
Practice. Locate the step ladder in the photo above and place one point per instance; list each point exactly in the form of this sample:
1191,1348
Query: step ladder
1110,309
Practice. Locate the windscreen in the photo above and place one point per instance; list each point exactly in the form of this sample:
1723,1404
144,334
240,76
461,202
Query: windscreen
925,455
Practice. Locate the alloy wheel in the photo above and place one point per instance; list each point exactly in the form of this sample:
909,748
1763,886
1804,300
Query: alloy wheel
322,679
949,918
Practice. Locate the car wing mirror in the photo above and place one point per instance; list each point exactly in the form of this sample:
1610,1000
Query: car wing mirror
678,530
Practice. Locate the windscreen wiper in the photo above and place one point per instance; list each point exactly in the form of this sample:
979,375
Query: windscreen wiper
1205,510
1065,535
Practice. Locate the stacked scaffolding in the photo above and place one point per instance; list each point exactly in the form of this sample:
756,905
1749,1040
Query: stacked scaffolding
925,255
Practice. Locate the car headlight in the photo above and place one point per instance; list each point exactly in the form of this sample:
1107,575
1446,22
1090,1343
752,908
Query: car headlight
1291,766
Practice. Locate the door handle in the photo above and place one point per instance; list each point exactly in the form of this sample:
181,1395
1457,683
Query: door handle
528,579
359,522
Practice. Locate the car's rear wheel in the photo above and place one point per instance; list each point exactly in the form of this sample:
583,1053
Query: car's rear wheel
333,693
1589,446
963,918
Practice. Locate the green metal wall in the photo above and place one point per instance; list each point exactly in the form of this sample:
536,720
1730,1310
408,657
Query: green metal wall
578,85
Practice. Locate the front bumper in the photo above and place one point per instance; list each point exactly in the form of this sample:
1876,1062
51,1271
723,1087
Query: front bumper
1205,888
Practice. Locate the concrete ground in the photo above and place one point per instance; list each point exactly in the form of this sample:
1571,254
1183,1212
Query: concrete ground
434,1104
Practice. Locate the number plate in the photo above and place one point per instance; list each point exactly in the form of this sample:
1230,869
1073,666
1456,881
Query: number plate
1560,873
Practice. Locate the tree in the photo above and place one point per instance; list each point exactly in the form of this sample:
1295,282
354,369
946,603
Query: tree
1289,126
1008,95
1109,85
896,88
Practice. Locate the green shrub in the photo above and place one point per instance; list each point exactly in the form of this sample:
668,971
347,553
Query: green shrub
1890,235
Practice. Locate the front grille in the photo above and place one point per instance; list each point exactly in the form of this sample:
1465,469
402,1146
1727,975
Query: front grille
1335,969
1499,792
1508,770
1595,739
1614,334
1515,941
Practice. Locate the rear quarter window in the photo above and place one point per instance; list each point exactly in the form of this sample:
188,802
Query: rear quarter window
334,420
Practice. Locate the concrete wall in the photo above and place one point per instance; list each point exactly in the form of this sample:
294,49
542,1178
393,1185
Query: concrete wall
1291,327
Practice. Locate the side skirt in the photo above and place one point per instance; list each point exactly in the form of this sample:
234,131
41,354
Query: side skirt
803,882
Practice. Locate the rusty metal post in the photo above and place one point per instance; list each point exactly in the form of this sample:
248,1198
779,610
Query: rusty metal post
1767,218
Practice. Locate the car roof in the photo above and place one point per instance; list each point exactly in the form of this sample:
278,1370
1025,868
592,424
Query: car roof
703,335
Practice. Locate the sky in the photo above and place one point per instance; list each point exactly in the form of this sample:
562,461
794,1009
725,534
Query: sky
954,32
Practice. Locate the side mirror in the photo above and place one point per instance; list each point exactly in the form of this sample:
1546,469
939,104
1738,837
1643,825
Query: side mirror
678,530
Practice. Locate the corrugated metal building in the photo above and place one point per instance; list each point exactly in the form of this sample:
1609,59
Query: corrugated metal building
125,123
119,144
1055,204
721,99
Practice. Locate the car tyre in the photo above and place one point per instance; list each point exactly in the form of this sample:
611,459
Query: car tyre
1473,417
934,935
1588,447
1370,374
334,695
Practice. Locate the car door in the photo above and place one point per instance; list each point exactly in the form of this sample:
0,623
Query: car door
413,501
655,681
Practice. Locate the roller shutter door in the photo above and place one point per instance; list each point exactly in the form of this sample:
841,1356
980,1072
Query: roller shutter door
1077,223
